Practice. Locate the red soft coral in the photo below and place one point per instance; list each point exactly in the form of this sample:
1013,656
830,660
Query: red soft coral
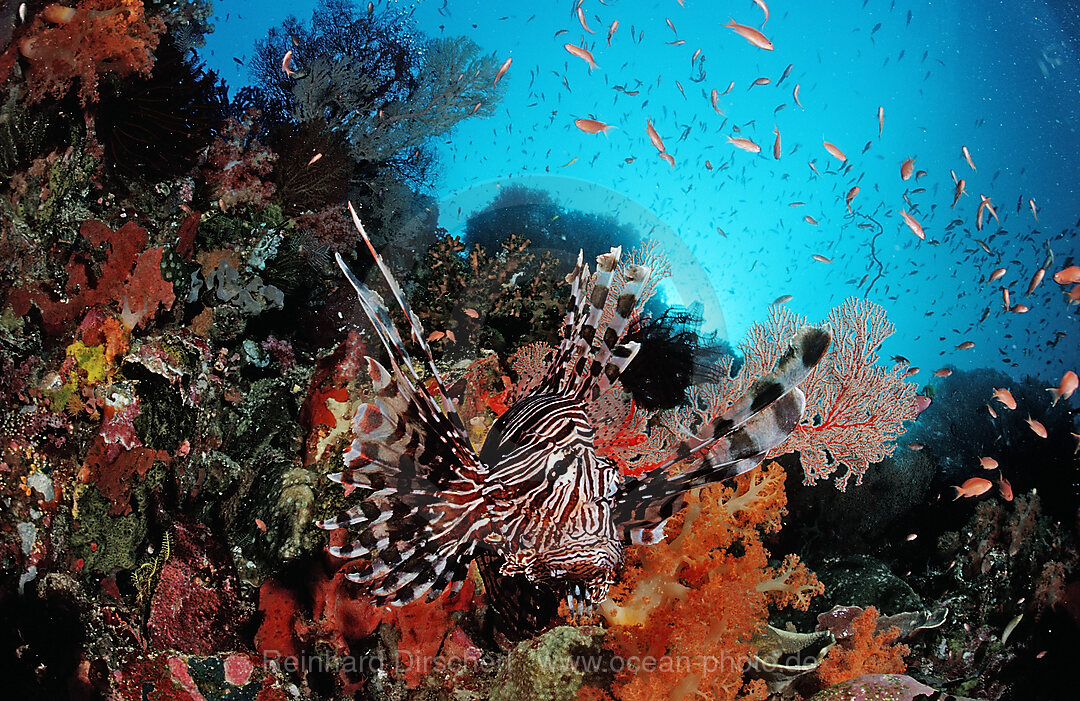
65,46
865,652
130,281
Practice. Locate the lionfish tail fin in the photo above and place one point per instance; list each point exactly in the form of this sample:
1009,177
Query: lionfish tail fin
734,443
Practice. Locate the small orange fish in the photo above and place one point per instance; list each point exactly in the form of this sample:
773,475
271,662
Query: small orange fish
450,336
729,87
943,372
907,168
1037,428
988,463
581,53
1035,280
1034,212
915,446
821,259
1065,388
1006,304
810,220
744,144
880,120
751,35
776,144
916,227
668,157
653,136
1005,397
611,31
1068,276
471,313
260,524
502,71
434,336
966,345
765,9
314,159
967,157
973,488
286,63
1006,489
996,274
581,18
834,151
1020,309
592,126
993,414
851,196
715,96
760,81
959,191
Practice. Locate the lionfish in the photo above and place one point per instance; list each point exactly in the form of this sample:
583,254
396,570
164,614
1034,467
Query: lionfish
545,517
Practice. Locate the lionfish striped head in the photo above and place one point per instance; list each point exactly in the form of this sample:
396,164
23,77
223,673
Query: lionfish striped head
539,510
549,496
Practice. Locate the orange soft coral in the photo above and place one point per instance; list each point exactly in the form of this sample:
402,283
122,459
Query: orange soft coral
69,45
692,603
866,652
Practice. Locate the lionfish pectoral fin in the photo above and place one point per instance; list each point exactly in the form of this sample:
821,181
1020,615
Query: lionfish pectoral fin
734,443
419,527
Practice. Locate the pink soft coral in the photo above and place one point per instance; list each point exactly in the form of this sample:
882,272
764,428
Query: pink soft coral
236,163
65,46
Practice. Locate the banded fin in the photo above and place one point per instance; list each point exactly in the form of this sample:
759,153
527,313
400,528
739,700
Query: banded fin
419,525
414,321
590,356
734,443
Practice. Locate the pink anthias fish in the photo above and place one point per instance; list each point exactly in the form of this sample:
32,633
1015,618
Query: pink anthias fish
1005,397
1065,388
973,487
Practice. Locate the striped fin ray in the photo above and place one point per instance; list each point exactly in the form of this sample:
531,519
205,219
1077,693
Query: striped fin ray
732,444
644,503
612,356
414,322
605,269
559,372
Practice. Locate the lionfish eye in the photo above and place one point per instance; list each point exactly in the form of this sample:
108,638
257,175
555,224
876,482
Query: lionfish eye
559,469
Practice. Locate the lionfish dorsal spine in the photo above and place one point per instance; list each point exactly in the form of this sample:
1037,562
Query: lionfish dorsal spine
415,327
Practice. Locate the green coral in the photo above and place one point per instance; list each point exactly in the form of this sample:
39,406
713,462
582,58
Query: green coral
106,543
544,667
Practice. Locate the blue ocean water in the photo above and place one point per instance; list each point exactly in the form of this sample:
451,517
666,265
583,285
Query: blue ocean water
1001,78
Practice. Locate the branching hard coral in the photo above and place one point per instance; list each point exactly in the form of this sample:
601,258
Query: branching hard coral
67,46
696,599
492,301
